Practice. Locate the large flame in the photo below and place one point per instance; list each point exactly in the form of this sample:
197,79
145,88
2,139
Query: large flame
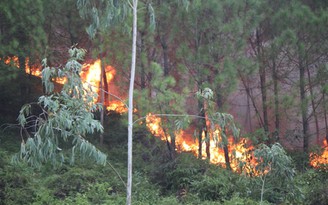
90,74
320,160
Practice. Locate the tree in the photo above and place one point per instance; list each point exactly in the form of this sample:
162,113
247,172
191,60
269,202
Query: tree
22,35
21,29
211,42
116,12
65,116
130,108
216,121
306,29
273,164
166,104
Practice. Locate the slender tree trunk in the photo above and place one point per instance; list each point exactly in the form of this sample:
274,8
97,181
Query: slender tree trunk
200,143
208,144
262,72
249,94
207,133
325,115
102,96
165,56
276,101
130,110
226,152
105,83
142,66
313,107
304,107
173,145
248,115
24,84
201,126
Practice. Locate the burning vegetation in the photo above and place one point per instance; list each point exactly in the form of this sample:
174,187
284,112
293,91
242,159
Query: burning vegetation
240,152
320,160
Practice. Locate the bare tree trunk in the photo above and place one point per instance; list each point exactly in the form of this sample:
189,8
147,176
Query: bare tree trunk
249,94
201,126
142,66
105,83
313,107
325,114
262,73
207,133
304,108
200,144
226,151
165,56
276,101
102,101
130,110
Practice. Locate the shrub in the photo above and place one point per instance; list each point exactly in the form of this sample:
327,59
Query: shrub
314,186
216,184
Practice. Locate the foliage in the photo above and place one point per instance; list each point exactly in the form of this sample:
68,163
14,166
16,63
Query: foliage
66,116
242,201
215,185
275,175
313,184
23,28
165,101
103,14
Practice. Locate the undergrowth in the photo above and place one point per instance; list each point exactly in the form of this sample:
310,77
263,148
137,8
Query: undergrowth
157,179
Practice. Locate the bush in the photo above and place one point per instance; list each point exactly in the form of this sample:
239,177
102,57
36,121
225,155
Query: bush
217,184
243,201
314,186
16,186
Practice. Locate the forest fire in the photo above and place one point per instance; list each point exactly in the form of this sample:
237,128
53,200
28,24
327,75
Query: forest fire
238,152
320,160
91,74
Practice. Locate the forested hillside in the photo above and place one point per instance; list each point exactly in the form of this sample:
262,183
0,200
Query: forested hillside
163,102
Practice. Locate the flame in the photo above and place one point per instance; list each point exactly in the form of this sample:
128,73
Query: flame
7,60
239,152
90,74
117,106
320,160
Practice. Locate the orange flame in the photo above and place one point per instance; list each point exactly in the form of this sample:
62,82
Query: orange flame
320,160
238,152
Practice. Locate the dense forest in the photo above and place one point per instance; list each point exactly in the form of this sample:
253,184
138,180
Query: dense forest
163,102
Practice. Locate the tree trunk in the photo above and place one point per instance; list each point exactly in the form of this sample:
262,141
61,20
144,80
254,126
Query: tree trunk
276,101
325,115
165,56
208,144
142,66
105,83
207,133
304,107
313,107
226,152
102,101
201,128
262,73
130,110
24,84
249,94
200,143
